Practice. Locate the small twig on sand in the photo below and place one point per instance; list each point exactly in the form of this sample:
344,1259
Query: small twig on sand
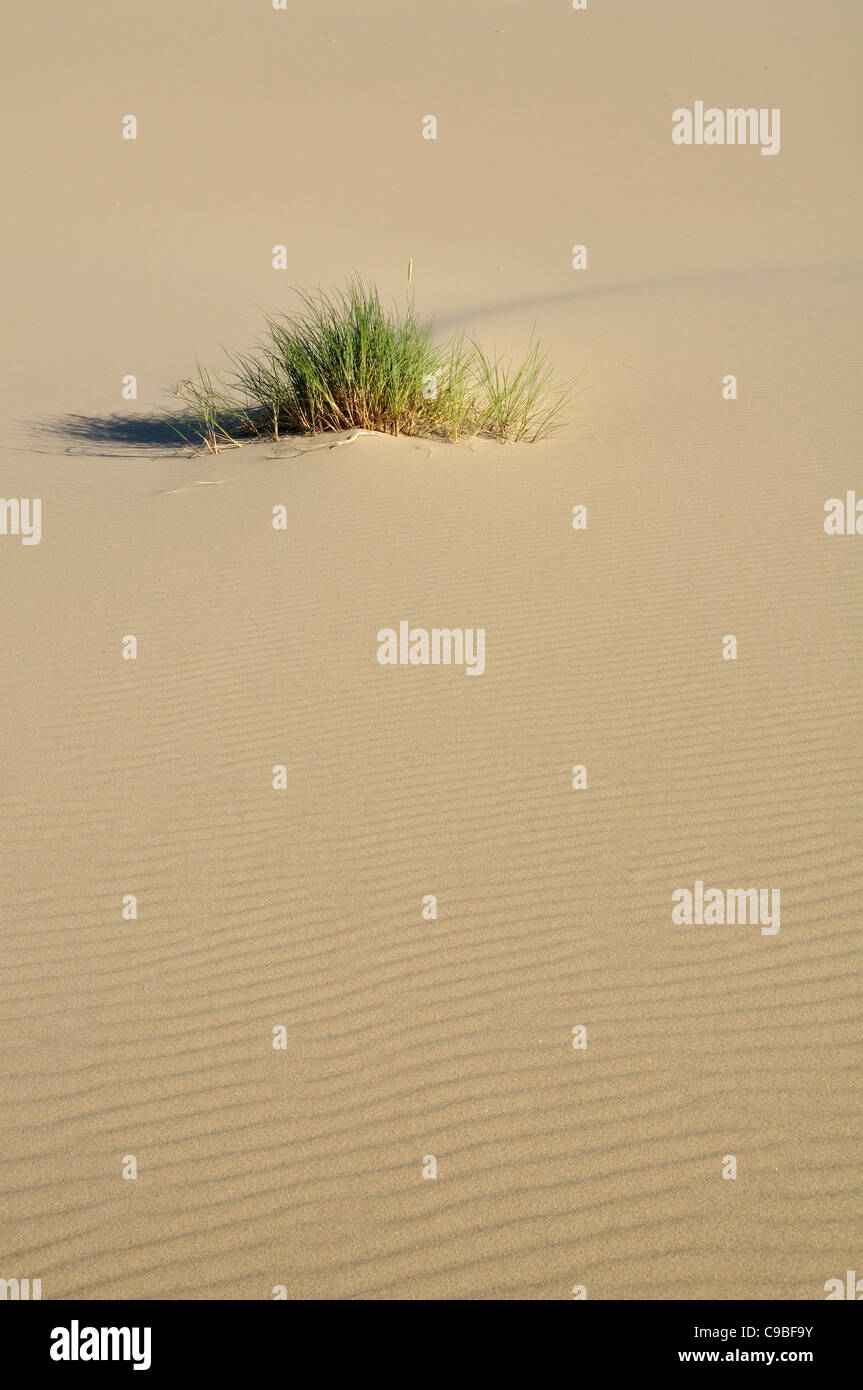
299,452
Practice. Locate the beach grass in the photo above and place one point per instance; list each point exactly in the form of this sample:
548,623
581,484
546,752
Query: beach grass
345,361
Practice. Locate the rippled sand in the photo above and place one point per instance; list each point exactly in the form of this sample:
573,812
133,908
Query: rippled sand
452,1037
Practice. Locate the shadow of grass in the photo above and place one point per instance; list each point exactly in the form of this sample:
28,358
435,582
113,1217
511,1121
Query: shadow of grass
130,435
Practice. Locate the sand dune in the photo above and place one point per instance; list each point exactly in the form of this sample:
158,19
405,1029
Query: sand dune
452,1037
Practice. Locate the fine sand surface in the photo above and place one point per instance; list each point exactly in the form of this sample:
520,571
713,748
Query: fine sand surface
257,647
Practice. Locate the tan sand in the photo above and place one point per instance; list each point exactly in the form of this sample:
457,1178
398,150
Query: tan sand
408,1037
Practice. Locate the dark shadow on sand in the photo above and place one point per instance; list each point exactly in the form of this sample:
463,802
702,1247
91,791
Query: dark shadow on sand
126,435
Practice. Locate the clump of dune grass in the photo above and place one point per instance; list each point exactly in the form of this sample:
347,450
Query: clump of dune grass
345,361
518,402
214,415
